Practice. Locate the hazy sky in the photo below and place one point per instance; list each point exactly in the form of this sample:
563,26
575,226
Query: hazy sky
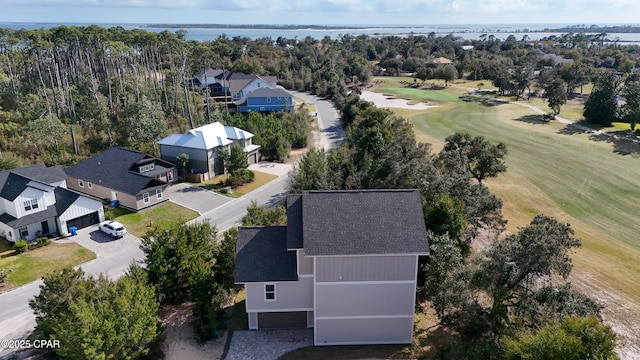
338,12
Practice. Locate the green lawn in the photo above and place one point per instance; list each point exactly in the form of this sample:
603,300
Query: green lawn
217,184
164,215
586,180
34,264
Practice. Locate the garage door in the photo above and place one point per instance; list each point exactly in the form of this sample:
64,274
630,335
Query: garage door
282,320
84,221
253,158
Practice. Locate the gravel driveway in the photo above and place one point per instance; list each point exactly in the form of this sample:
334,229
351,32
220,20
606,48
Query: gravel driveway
267,344
195,198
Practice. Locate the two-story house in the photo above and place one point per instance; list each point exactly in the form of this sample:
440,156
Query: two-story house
35,202
203,145
267,99
345,265
131,178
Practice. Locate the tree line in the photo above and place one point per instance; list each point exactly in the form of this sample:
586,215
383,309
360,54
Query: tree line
502,301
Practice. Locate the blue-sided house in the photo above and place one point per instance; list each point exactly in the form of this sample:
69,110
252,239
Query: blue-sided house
267,99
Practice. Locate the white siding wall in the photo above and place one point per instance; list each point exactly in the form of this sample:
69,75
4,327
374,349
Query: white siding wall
5,230
8,207
28,194
366,268
82,206
290,296
254,85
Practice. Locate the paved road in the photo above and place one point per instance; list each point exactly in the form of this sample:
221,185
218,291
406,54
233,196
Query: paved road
16,319
331,131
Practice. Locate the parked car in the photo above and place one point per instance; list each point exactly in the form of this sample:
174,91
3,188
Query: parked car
113,228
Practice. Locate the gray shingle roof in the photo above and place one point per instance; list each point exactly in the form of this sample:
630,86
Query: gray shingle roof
268,92
13,182
294,221
262,256
111,169
363,222
36,217
42,173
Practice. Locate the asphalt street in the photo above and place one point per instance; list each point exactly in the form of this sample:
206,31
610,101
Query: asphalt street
113,257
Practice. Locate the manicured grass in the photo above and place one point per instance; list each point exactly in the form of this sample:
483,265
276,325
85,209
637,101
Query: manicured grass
164,215
217,184
586,180
34,264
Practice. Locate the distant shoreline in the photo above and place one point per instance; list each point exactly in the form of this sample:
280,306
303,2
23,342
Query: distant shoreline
271,27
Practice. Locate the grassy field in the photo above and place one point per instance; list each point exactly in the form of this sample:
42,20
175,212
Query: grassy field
164,215
34,264
589,181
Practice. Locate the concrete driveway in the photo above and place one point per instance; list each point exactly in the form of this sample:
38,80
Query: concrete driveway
195,198
101,243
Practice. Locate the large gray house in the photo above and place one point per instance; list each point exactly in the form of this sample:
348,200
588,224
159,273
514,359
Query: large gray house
203,145
345,265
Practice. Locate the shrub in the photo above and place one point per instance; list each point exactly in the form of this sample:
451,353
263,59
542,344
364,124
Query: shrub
20,246
240,177
43,241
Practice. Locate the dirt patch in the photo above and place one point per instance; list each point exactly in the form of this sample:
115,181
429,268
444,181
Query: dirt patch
181,343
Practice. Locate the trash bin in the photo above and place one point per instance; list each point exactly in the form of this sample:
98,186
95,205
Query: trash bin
74,230
115,203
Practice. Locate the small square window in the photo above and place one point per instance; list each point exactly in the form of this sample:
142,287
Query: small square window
270,292
268,99
152,166
141,169
90,185
80,183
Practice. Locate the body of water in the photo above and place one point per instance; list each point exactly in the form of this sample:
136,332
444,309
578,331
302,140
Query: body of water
468,32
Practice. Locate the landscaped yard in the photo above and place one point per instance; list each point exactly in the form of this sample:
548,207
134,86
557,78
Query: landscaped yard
34,264
164,215
217,184
589,181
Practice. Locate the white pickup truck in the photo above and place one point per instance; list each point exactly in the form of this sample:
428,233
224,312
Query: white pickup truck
113,228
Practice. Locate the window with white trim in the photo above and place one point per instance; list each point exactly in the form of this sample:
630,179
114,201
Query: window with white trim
90,185
159,193
152,166
145,198
268,99
24,232
170,176
30,204
270,292
80,183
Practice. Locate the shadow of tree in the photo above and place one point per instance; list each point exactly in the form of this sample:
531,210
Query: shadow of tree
622,145
533,119
483,100
571,129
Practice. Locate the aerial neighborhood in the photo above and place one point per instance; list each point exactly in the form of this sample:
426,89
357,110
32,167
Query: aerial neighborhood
410,195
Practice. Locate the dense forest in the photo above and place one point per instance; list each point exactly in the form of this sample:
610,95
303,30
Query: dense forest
69,92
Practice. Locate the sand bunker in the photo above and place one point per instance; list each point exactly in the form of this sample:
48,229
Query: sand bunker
384,101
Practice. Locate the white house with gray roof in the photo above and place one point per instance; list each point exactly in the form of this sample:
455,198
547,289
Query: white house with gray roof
35,202
345,265
203,145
